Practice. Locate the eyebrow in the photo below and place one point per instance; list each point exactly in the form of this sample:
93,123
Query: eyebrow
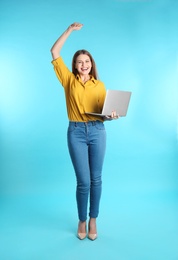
84,60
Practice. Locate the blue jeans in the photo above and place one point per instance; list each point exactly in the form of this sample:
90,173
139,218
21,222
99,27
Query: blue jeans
87,144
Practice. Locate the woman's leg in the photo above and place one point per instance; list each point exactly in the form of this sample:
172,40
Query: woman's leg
78,149
87,144
97,149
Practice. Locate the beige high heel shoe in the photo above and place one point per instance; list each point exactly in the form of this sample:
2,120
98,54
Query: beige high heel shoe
80,235
91,236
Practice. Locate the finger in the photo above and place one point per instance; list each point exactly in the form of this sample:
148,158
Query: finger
77,24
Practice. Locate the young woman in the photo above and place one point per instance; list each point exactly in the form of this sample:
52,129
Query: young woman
86,134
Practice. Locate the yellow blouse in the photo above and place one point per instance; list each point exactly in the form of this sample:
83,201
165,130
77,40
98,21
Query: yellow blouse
80,97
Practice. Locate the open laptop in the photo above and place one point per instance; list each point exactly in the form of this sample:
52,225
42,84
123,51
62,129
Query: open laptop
116,100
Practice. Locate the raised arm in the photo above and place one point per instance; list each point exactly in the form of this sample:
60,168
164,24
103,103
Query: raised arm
56,48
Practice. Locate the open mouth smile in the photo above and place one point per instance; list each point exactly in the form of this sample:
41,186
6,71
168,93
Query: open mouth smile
84,69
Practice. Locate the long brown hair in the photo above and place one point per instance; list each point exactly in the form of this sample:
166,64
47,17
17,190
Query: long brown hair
93,71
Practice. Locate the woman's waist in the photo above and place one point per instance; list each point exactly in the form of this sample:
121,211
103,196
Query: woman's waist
84,123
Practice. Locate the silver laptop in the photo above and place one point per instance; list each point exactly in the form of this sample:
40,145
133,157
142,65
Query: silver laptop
116,100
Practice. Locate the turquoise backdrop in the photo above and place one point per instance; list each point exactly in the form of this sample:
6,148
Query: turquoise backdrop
135,46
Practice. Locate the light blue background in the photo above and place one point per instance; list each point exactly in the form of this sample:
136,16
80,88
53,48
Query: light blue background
135,46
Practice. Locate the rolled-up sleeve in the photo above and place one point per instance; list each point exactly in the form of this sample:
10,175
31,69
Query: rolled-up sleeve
62,72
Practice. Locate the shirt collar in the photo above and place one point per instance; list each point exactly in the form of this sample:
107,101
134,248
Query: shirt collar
91,78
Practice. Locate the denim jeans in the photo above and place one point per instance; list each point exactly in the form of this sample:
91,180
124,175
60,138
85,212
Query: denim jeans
87,144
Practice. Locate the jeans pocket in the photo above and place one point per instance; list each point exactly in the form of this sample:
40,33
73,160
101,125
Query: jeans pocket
100,126
71,128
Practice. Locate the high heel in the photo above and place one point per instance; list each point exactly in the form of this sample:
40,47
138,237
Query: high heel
92,236
81,235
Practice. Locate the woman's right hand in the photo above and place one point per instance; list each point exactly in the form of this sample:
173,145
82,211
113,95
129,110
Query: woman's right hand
76,26
56,48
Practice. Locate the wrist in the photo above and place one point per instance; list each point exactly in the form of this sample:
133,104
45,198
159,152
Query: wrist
70,29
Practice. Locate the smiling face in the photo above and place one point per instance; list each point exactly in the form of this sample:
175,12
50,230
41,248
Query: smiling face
88,62
83,64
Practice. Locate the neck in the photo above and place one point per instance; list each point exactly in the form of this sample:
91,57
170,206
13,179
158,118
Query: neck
85,78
